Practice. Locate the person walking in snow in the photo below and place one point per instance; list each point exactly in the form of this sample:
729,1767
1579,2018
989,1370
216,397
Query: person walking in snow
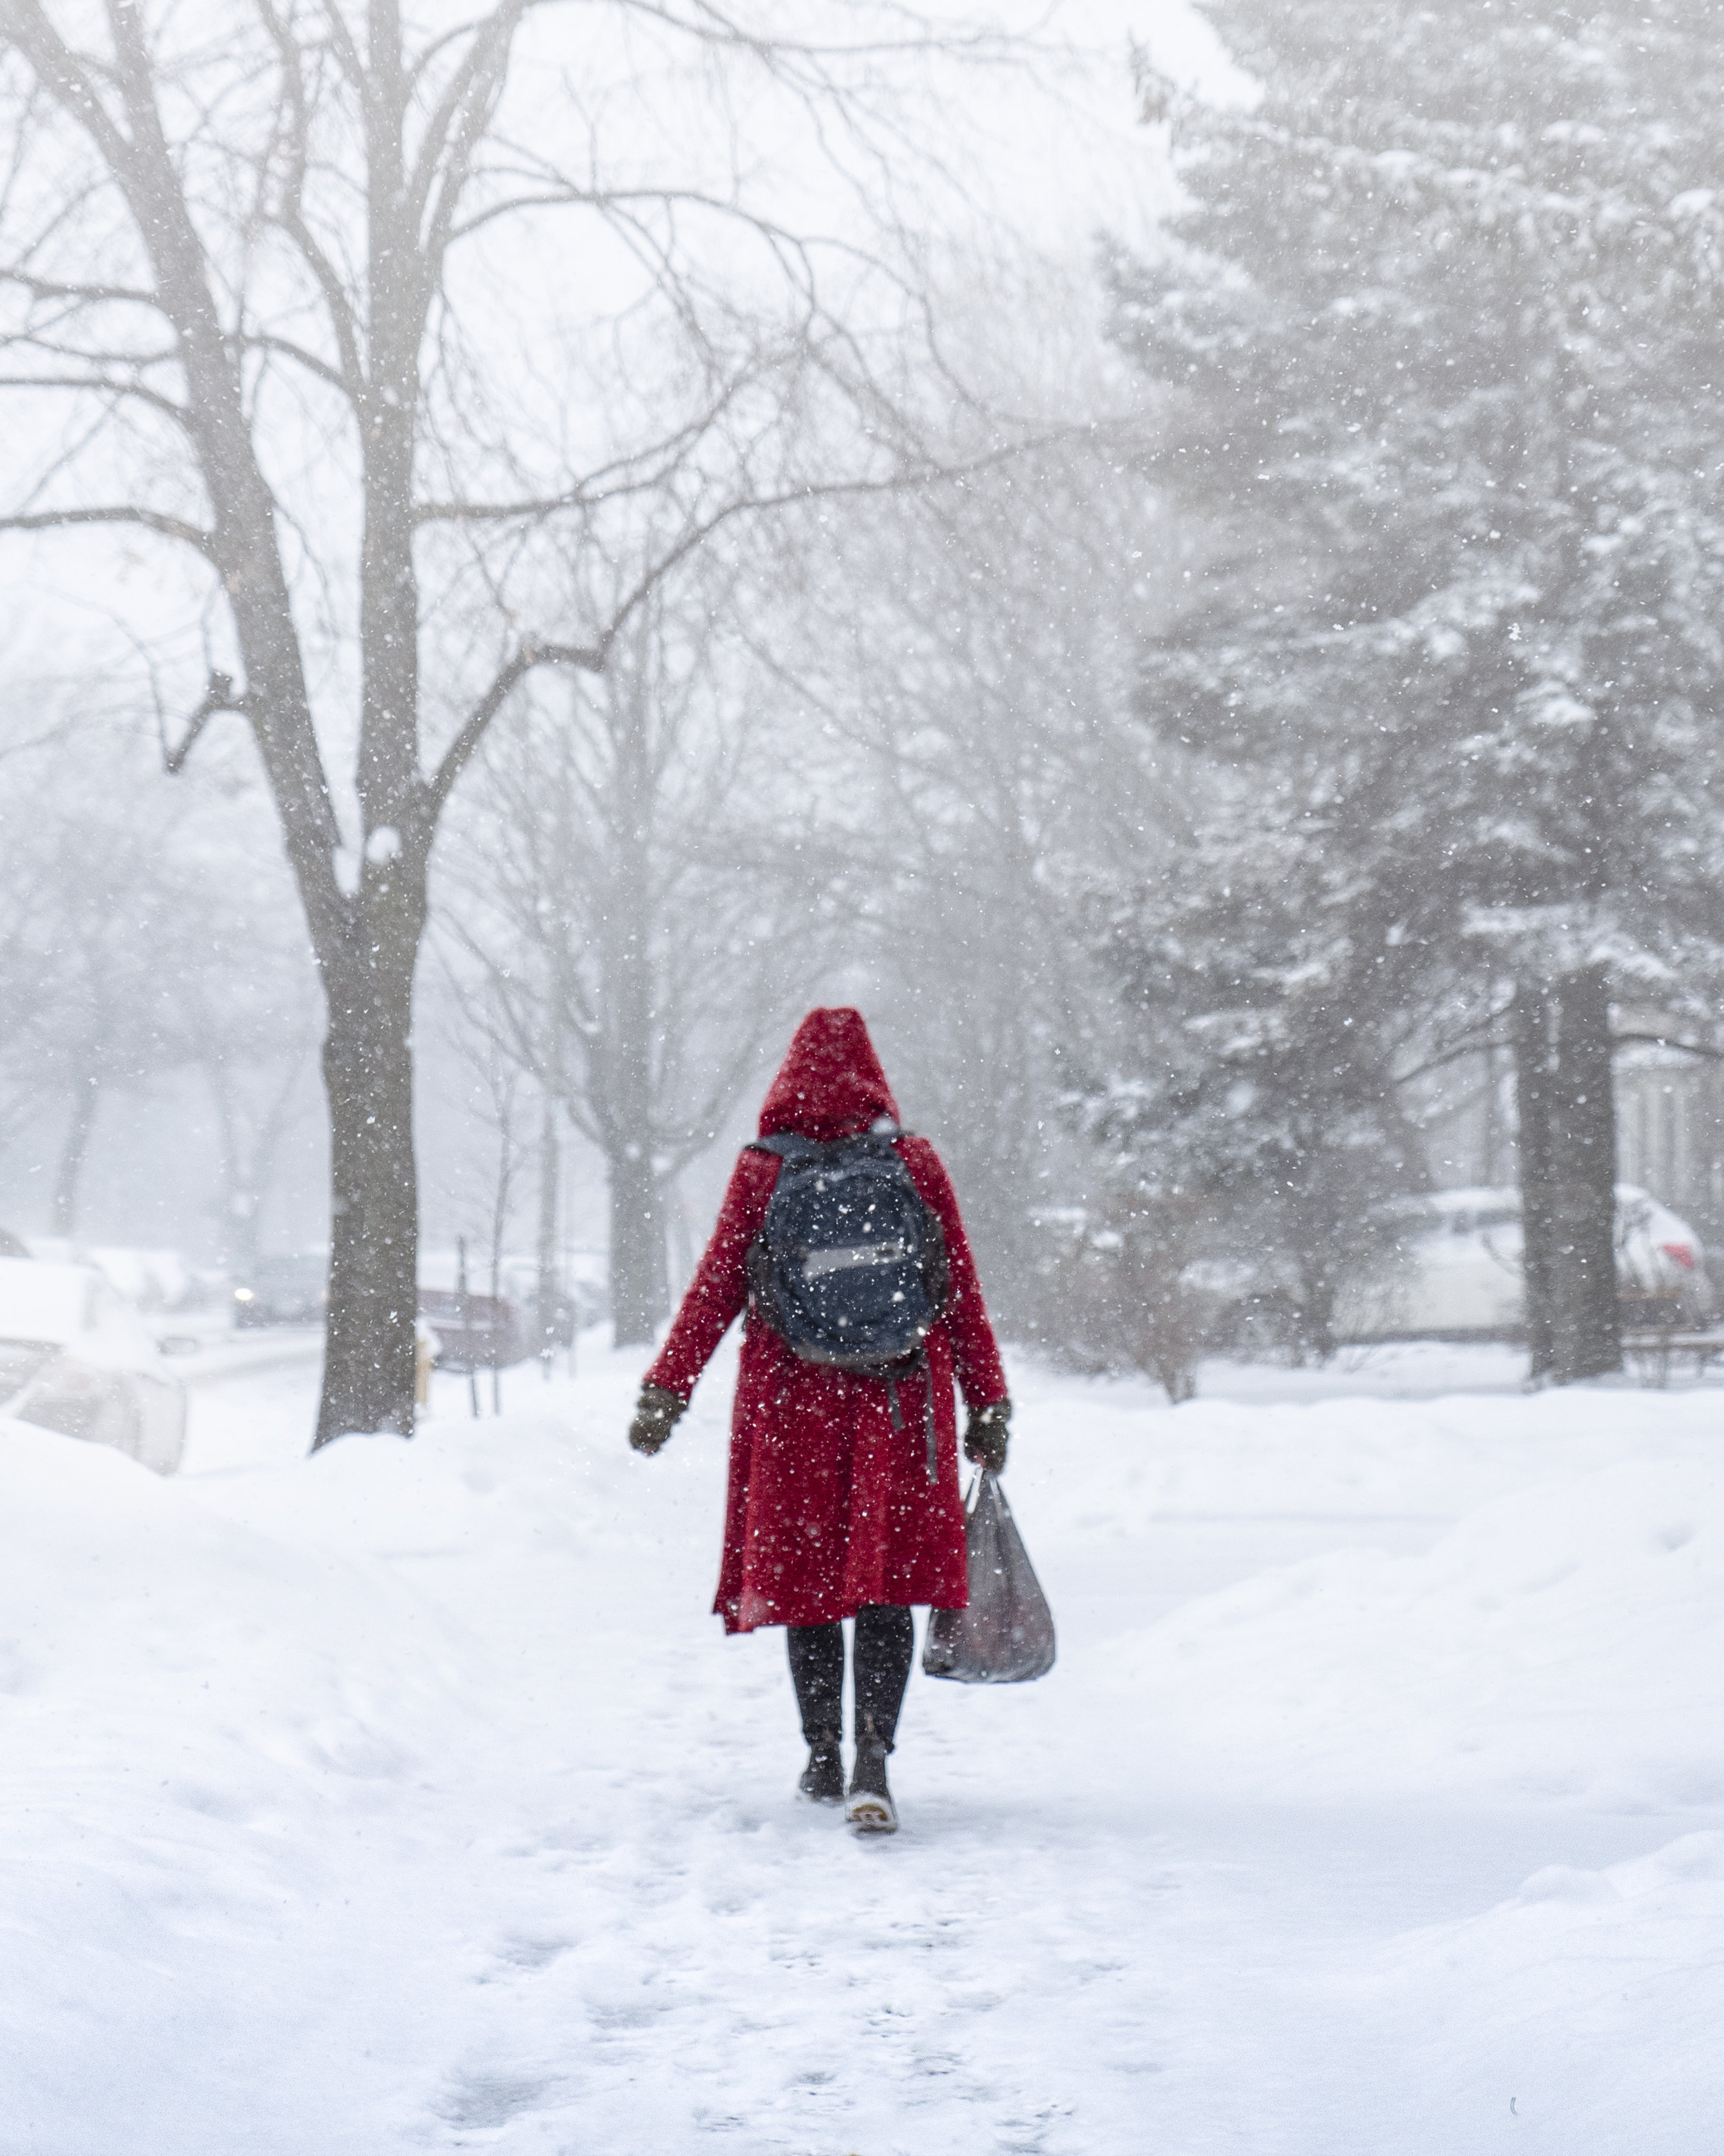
840,1234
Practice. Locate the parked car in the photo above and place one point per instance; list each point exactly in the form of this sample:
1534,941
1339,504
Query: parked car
75,1357
1459,1273
150,1280
283,1291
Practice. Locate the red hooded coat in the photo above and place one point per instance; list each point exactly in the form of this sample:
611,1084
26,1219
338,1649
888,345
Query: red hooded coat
830,1506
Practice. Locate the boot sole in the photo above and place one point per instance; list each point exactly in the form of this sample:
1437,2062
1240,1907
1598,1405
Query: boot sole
871,1815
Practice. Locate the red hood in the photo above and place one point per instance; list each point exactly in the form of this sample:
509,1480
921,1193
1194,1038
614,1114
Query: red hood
830,1085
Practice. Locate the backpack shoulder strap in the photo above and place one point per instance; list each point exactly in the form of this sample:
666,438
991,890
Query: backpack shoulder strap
788,1145
791,1145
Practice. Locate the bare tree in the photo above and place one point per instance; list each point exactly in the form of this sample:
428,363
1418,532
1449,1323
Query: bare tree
972,656
145,932
143,938
244,996
95,931
638,921
260,267
258,1102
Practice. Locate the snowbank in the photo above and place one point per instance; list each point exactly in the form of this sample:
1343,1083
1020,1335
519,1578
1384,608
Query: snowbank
198,1723
410,1798
1583,2014
1565,1643
1104,1460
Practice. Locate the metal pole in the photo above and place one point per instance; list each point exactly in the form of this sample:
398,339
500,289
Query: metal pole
465,1313
491,1329
548,1172
569,1263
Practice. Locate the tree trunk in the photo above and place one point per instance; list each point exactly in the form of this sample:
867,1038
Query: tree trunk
248,1161
1568,1168
1317,1315
640,1289
1534,1076
74,1150
1588,1314
367,1057
373,1292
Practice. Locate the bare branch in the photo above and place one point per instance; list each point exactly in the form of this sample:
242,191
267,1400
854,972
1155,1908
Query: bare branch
746,505
501,22
416,72
171,527
713,25
346,51
68,78
218,697
561,199
590,658
459,122
44,288
640,473
258,340
289,213
101,385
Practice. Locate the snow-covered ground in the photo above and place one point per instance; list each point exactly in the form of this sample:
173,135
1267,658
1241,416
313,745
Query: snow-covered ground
409,1799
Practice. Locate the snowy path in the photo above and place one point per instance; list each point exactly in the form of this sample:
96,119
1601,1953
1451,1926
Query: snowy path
413,1801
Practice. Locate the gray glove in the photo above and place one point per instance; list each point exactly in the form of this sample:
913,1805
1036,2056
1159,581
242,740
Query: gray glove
985,1439
655,1416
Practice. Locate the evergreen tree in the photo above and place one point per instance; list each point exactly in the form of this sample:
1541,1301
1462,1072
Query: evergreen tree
1281,1017
1438,334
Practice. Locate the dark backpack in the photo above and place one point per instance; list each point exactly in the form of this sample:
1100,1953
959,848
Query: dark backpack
850,1265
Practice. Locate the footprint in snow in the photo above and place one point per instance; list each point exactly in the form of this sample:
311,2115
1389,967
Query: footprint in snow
490,2099
532,1953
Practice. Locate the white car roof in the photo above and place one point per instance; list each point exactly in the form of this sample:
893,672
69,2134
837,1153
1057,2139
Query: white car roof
72,1306
1656,1221
46,1302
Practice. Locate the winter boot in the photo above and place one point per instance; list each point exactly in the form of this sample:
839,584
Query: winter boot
823,1780
870,1809
816,1669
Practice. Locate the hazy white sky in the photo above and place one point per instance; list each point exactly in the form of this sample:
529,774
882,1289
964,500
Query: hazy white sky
1066,153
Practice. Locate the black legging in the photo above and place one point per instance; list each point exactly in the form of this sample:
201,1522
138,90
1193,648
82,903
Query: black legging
885,1642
